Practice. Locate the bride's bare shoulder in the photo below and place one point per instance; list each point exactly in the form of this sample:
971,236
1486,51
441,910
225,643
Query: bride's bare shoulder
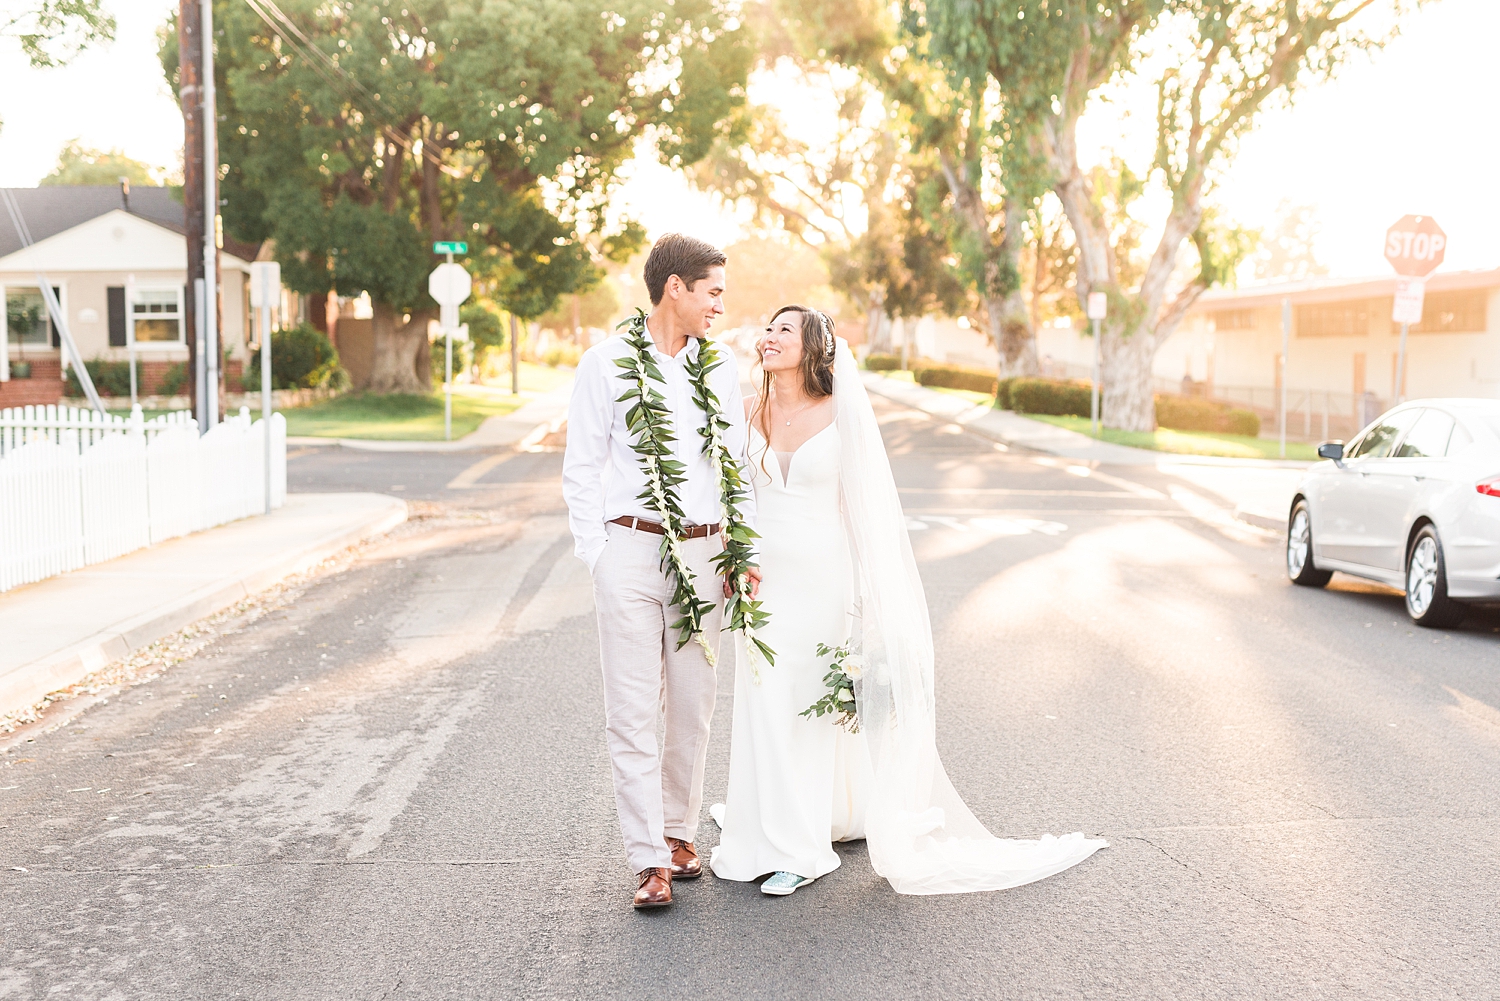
751,402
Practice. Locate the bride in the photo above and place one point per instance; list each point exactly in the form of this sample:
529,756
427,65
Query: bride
839,573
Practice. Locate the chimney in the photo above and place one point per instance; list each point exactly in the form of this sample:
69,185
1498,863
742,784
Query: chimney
125,192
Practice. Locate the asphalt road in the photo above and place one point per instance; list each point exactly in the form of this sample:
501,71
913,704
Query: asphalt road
393,783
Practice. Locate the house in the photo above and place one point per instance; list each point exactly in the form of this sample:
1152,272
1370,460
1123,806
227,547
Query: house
93,243
1342,354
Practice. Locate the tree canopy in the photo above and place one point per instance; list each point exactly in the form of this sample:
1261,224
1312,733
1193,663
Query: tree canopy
356,132
78,164
54,32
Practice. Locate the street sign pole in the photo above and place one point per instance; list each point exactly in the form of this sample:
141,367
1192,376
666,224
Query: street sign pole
1286,346
1400,393
265,294
1415,246
448,370
265,393
449,284
1098,305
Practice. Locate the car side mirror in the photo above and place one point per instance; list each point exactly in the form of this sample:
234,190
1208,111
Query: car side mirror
1332,450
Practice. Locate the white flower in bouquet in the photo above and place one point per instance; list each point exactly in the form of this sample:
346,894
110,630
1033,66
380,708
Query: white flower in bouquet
854,666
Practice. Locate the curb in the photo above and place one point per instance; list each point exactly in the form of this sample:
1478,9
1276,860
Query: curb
118,640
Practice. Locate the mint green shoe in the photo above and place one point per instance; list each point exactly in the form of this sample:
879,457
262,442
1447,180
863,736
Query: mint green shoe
783,884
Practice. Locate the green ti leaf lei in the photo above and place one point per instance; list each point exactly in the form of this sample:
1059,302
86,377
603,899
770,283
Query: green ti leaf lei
650,420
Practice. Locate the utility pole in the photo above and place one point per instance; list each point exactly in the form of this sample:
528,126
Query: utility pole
189,34
215,355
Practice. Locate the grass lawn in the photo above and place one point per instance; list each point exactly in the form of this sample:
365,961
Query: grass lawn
413,417
1237,446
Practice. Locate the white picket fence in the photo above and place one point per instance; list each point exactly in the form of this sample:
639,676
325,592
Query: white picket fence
76,489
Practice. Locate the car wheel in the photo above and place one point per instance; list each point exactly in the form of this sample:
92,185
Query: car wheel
1299,550
1427,600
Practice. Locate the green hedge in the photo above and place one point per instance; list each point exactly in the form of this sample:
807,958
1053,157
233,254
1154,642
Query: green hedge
1048,396
890,363
975,380
1193,413
110,378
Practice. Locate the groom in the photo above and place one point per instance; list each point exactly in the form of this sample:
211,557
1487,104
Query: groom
657,795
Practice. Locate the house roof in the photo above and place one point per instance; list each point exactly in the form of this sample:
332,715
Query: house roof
52,210
1313,290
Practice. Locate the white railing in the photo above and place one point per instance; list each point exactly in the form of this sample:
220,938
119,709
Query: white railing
65,504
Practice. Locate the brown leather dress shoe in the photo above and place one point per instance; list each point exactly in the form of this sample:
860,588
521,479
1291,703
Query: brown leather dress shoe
685,863
655,888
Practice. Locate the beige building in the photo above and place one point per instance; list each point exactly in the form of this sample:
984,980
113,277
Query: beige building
1343,347
94,243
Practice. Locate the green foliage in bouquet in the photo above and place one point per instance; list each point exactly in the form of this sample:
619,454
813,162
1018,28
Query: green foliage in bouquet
840,700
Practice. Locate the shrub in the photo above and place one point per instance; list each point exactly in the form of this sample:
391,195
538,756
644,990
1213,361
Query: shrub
1002,393
564,353
173,380
1049,396
1192,413
463,357
302,357
957,377
110,378
882,363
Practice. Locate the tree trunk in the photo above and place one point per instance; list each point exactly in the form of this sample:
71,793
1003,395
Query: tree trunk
1128,403
1010,329
400,359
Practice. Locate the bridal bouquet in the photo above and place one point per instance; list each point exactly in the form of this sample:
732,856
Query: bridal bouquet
843,672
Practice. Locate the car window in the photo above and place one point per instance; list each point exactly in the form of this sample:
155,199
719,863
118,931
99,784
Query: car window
1378,440
1462,439
1428,437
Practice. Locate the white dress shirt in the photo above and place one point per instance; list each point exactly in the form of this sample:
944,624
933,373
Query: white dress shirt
602,475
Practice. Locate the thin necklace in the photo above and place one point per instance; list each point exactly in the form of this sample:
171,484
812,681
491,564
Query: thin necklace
794,416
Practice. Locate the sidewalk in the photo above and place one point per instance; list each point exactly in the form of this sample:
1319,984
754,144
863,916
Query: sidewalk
1259,490
58,630
536,419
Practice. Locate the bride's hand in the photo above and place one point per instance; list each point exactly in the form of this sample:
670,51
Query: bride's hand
753,573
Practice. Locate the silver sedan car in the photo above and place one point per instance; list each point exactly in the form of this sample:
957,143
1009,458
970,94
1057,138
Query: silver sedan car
1413,502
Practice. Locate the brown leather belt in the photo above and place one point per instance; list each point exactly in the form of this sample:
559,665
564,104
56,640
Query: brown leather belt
692,532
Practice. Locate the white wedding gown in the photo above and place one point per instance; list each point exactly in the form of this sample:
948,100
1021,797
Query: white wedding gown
833,538
796,783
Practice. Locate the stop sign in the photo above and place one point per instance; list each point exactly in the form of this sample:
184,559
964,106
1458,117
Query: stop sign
1415,246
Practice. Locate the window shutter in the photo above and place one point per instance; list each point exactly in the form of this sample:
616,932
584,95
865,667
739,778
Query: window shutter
56,335
115,294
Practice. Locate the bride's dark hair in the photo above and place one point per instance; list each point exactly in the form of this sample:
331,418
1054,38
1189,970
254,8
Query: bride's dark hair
816,367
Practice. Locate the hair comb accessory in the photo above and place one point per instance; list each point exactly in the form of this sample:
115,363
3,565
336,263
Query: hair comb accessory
828,347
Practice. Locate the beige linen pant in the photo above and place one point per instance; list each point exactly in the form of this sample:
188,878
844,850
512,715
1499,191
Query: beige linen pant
657,795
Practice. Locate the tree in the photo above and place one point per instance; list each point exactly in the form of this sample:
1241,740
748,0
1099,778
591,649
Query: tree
858,196
78,164
1220,64
54,32
1290,251
356,133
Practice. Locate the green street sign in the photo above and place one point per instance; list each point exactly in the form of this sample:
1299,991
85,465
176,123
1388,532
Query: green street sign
450,247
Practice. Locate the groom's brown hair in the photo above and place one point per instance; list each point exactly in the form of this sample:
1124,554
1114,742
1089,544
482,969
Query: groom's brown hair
684,256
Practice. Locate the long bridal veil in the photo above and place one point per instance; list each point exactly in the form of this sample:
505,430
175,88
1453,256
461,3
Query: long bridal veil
921,836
